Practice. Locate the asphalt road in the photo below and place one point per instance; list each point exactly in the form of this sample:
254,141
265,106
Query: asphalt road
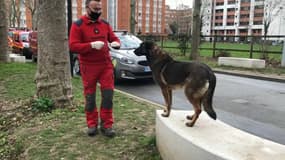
252,105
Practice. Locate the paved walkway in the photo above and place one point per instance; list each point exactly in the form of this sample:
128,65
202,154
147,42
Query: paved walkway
252,74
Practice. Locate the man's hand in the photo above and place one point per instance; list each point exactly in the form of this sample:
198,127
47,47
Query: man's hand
97,44
115,45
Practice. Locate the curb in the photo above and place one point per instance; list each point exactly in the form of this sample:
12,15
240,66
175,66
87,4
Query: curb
280,80
140,99
210,140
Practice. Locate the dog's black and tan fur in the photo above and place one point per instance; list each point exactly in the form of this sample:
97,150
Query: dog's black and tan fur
197,79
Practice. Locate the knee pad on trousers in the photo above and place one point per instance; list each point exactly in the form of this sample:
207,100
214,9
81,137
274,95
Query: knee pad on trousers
90,102
107,99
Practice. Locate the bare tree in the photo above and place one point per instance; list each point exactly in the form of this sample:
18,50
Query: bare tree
196,30
14,13
53,77
271,11
204,11
31,5
3,32
205,16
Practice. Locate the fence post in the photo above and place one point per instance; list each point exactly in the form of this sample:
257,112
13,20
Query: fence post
162,41
251,47
283,55
214,47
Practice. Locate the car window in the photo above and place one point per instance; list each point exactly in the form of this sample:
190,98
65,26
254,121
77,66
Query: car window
24,37
129,41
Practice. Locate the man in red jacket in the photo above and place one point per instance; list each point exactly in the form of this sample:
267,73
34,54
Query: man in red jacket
89,37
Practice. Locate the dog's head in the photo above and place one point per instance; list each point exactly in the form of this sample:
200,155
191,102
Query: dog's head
145,48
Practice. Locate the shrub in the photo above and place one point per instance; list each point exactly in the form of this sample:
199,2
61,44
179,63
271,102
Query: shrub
42,104
222,53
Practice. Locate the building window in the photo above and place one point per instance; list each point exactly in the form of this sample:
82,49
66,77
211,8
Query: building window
244,23
259,7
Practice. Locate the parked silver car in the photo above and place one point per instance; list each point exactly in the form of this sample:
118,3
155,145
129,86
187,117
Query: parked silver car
127,65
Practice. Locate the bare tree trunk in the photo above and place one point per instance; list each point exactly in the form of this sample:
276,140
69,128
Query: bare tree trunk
3,32
31,5
53,76
196,30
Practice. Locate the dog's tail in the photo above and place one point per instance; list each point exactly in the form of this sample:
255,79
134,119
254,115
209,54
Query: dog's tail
208,98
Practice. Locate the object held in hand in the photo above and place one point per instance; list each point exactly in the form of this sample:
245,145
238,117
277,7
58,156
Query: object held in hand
115,45
97,44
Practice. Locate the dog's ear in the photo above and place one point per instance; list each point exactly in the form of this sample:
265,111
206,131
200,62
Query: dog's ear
149,45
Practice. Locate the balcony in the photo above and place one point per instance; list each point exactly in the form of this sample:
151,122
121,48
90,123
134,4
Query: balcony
231,1
231,33
219,14
220,1
258,19
244,20
231,13
245,4
244,12
258,11
230,20
243,33
218,20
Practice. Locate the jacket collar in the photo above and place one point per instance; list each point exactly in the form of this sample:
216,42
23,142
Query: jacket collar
87,20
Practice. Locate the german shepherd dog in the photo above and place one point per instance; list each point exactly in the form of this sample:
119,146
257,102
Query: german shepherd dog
197,79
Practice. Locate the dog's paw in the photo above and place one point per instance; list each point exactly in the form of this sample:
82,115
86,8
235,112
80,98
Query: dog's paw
165,114
189,124
189,117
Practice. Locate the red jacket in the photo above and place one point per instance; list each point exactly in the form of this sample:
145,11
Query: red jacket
84,31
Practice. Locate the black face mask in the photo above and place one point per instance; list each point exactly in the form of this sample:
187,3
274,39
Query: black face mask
94,15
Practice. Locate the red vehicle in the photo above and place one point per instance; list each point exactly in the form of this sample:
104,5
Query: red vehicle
33,39
21,43
10,41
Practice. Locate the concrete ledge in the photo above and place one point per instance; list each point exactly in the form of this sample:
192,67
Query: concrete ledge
210,140
241,62
16,58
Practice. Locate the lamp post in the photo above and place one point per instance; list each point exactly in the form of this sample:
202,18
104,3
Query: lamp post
132,18
280,19
283,51
69,22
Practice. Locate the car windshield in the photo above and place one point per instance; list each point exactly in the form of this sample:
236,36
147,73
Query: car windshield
129,41
24,37
10,34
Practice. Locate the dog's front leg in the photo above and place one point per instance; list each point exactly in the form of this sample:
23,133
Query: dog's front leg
167,94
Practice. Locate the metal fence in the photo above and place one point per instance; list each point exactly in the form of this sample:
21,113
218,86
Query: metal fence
270,44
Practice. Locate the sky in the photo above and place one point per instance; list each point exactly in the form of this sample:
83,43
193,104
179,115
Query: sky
174,3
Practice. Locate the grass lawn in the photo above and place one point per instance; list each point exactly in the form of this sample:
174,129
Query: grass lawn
61,134
172,46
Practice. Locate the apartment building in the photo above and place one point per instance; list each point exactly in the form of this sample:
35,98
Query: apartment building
150,17
170,18
184,20
117,12
182,16
236,17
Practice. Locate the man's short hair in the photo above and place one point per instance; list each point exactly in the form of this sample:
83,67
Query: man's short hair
88,1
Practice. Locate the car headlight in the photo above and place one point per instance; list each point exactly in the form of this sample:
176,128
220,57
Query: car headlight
127,60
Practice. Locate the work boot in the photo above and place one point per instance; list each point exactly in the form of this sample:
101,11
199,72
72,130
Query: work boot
108,132
92,131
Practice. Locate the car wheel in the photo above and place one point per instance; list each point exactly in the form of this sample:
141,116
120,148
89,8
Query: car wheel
26,52
117,78
76,67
